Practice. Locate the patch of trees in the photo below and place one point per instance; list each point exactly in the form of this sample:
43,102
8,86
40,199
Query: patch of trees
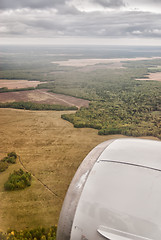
9,159
33,234
18,180
3,166
36,106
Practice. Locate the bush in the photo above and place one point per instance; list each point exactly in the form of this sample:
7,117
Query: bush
11,158
12,154
18,180
3,166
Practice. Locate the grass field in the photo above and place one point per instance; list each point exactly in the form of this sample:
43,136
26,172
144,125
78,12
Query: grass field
51,149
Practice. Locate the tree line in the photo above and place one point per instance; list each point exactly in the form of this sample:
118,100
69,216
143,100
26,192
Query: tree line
36,106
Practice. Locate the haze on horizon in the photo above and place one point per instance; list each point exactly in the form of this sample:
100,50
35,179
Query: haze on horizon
94,22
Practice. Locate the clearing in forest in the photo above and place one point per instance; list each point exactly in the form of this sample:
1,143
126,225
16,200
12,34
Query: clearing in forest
152,77
42,96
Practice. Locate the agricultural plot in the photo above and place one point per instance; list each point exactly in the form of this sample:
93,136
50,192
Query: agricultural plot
43,97
16,84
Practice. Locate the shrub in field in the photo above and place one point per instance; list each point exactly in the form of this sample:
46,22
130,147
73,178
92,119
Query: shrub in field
3,166
18,180
4,162
11,158
12,154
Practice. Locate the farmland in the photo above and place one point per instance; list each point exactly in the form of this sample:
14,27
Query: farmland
42,96
10,84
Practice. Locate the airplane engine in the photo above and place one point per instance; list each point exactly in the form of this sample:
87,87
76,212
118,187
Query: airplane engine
115,193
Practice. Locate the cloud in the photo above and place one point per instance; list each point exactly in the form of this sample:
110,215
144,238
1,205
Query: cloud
144,5
61,6
147,1
110,3
34,4
57,18
50,23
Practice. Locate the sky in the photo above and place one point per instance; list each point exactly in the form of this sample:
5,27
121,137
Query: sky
104,22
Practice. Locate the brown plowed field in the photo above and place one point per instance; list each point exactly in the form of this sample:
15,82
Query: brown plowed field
10,84
152,76
42,96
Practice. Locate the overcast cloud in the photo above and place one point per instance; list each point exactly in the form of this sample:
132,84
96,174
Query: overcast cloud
106,19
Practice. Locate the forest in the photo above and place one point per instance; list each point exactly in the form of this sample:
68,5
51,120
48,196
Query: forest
119,103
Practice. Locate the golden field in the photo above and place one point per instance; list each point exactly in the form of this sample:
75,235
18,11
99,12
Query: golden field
51,149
